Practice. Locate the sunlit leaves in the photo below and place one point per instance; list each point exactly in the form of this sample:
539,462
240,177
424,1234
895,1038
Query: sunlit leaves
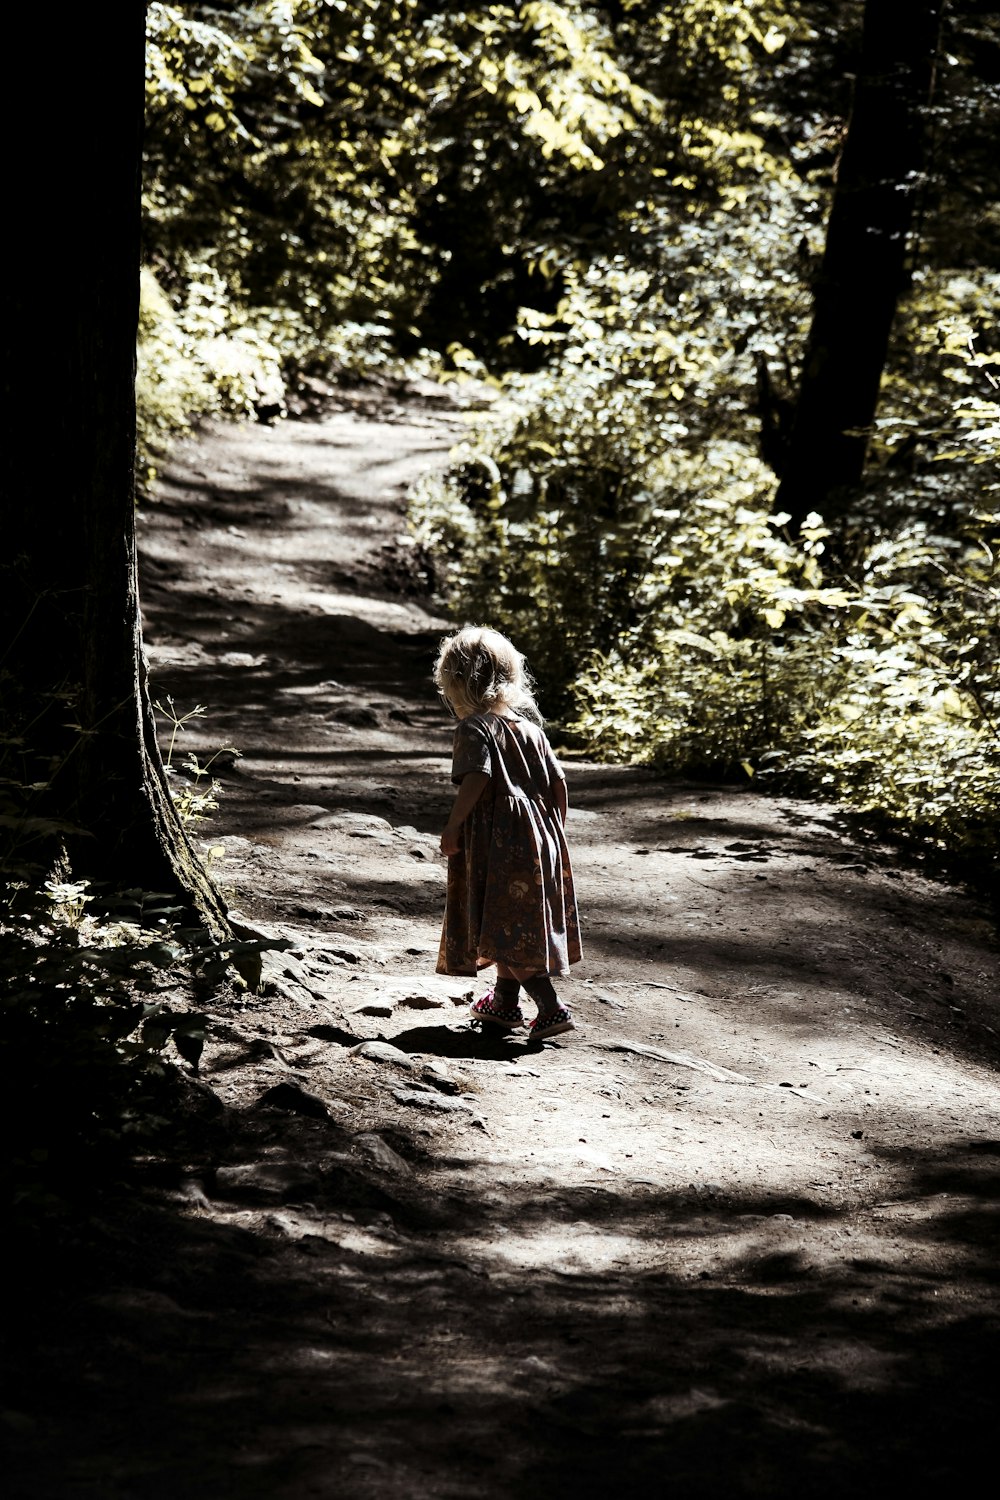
625,217
206,56
628,547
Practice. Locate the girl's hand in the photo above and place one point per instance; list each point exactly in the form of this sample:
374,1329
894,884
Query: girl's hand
451,841
474,784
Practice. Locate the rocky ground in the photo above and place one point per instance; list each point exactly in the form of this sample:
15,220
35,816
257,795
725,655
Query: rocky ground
735,1235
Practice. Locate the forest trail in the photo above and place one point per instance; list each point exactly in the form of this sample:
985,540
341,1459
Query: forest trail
735,1234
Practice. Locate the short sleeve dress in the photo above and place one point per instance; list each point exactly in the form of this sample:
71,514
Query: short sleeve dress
510,896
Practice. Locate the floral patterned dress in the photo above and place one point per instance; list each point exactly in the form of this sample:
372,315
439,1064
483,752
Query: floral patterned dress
510,892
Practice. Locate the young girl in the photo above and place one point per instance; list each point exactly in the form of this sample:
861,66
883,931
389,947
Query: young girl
510,899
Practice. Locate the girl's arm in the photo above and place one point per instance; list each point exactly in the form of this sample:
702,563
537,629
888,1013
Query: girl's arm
474,784
562,800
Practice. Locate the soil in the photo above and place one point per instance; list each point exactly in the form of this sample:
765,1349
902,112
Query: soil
734,1235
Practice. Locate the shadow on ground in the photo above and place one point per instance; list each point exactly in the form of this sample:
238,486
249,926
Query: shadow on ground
416,1360
280,1308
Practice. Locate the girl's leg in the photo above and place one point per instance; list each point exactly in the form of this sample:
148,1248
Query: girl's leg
499,1005
508,987
552,1017
543,992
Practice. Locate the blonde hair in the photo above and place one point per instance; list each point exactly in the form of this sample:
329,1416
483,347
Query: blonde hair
479,671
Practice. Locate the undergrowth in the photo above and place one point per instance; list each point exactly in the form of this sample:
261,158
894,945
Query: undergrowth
202,354
193,789
102,1024
104,997
630,548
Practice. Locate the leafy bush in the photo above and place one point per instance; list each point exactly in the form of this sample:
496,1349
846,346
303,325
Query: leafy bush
558,515
201,358
100,995
623,536
82,1033
881,696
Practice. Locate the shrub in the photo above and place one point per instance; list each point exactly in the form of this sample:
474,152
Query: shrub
200,358
624,536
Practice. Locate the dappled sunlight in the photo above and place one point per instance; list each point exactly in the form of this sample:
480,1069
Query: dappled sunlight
653,1333
739,1222
547,317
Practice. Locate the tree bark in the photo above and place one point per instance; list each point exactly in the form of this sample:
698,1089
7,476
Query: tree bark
863,270
79,723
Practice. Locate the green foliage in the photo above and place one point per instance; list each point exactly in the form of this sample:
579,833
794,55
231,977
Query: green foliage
940,394
97,1006
81,1036
632,554
430,170
203,358
558,514
615,214
883,695
101,990
193,789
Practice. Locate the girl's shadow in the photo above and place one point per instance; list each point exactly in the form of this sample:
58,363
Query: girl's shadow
468,1041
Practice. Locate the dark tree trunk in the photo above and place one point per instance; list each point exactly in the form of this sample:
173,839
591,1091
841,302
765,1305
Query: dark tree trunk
71,650
863,271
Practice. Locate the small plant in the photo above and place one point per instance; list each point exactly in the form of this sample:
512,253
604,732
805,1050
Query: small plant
100,996
194,790
70,898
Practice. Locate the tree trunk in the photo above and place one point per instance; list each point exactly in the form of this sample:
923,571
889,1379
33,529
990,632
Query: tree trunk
71,651
863,271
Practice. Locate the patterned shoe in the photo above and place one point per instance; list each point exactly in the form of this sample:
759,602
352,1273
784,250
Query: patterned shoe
486,1009
553,1025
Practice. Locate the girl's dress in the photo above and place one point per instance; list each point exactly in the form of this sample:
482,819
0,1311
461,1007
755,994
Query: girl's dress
510,892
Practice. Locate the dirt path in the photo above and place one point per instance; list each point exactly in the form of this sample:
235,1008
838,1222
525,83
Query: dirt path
735,1235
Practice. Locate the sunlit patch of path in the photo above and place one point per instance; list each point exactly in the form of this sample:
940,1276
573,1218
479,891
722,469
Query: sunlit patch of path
738,1226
